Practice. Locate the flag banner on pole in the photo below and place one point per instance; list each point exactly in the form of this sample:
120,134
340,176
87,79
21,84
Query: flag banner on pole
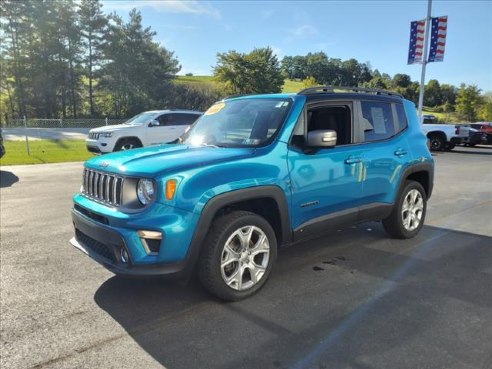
438,39
416,47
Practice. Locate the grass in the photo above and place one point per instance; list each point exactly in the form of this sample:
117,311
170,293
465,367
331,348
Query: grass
292,86
443,117
44,151
289,85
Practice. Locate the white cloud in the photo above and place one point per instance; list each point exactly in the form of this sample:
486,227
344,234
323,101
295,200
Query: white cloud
191,7
303,31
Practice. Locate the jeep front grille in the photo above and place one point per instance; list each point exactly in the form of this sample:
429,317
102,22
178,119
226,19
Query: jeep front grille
103,187
94,135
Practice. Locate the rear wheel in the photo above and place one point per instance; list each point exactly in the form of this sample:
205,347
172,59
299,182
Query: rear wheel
408,215
237,256
127,144
437,142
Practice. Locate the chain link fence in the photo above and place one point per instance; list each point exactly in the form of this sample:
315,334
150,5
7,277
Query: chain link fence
62,123
46,138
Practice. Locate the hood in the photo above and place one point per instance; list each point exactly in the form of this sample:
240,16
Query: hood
115,127
165,159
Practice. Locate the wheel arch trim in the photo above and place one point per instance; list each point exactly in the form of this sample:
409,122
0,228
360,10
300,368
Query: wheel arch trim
229,198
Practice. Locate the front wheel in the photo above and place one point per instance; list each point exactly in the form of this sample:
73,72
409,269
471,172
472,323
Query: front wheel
407,217
238,255
127,144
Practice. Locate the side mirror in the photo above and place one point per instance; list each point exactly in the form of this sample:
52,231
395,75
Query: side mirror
322,138
154,123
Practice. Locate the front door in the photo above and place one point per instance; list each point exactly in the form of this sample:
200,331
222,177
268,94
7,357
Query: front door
326,184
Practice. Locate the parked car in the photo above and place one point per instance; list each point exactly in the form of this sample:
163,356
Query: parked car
145,129
252,174
485,127
476,137
2,148
444,136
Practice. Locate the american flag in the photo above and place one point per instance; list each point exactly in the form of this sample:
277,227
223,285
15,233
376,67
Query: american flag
438,39
416,48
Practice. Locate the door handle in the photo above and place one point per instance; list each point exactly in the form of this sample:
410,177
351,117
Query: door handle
353,161
400,152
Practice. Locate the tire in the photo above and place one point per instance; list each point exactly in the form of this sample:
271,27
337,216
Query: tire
450,146
232,251
437,142
396,224
127,144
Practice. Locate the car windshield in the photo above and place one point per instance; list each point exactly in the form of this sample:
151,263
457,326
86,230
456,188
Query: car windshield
246,122
141,118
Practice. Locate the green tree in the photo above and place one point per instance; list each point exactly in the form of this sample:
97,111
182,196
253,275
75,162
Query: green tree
468,102
432,94
401,80
93,25
485,111
256,72
138,71
448,94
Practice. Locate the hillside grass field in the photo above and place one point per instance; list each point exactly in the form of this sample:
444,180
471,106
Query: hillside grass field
292,86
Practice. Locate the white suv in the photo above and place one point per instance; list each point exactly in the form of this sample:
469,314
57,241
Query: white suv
148,128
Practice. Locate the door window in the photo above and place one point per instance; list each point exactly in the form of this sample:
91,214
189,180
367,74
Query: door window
377,121
325,117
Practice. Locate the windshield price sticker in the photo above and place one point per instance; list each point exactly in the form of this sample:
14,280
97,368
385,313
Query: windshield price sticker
215,108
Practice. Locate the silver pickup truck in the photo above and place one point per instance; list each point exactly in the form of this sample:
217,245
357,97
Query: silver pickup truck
444,136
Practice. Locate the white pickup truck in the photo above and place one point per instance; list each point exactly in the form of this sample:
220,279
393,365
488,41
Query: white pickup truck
148,128
444,136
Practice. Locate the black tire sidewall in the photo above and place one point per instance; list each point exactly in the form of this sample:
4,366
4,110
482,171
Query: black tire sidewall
438,139
119,145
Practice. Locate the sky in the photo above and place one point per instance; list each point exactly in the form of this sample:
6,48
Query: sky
370,31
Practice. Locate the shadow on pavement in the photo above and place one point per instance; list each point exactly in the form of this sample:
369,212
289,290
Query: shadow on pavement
353,299
475,150
7,179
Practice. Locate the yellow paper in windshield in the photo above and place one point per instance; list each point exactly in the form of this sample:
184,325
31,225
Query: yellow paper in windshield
215,108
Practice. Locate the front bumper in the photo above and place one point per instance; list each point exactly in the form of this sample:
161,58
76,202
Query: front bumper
105,245
98,147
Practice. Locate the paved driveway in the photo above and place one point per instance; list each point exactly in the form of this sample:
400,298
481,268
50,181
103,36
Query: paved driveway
354,299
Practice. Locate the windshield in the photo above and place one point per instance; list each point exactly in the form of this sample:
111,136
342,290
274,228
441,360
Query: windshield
239,123
141,118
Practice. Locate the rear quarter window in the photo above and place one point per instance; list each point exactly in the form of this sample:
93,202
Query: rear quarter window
402,122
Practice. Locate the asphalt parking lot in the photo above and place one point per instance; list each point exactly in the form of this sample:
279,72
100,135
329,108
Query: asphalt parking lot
354,299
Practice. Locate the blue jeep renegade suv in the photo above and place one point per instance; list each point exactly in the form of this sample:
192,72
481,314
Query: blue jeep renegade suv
252,174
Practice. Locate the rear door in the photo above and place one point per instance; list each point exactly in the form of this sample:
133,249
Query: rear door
386,153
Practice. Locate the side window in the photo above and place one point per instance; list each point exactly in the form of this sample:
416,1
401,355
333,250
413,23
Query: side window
334,117
377,121
402,118
187,119
297,138
164,120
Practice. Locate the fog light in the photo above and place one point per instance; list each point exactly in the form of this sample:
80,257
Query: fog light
151,241
124,256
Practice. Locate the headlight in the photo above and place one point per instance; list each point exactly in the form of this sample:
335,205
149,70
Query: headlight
106,134
145,191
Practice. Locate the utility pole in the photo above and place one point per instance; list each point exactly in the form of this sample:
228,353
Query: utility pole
424,59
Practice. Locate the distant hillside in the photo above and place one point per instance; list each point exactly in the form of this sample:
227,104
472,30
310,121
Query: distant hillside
289,85
295,86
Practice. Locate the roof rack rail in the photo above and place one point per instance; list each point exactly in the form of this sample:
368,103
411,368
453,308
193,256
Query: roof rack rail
321,89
